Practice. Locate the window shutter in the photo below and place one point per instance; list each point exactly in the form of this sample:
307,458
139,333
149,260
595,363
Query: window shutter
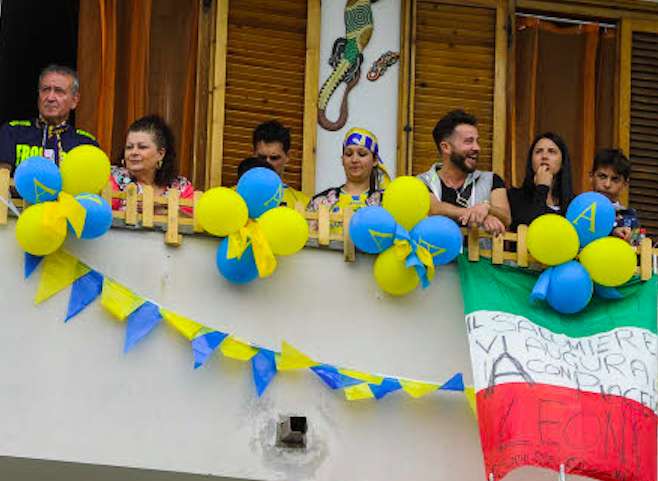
264,78
454,69
644,130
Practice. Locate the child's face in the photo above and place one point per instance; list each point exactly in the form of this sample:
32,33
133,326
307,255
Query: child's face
608,182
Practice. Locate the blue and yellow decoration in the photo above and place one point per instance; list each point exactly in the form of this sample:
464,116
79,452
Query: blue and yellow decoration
604,262
41,227
141,317
254,227
410,244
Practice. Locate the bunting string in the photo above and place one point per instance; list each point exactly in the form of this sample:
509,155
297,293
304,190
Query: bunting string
141,316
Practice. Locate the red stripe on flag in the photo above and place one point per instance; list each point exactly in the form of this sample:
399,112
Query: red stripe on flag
608,437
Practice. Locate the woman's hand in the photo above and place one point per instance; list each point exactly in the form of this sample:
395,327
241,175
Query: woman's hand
543,176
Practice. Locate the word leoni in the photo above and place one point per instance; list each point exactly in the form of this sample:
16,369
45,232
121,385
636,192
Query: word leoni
509,348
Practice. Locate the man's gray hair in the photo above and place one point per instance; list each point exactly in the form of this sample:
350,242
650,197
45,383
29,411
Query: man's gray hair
62,70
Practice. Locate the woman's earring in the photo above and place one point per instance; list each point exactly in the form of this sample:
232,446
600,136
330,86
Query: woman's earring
123,162
158,165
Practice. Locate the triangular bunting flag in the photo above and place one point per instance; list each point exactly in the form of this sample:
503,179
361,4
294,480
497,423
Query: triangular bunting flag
84,291
455,383
187,327
469,392
332,378
204,344
388,385
362,376
360,391
263,367
291,359
31,263
140,323
60,270
119,300
234,348
417,389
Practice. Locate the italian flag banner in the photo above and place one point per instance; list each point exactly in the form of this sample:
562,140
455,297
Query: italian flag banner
551,389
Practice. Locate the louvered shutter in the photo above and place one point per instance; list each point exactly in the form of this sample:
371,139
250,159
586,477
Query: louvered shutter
644,130
264,78
454,68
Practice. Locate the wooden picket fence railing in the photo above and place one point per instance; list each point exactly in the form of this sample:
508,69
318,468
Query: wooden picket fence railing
147,211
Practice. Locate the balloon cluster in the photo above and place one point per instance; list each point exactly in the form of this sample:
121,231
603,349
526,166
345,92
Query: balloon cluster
253,225
410,244
604,262
62,196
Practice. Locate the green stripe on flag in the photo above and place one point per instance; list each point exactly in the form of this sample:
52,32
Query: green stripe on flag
505,288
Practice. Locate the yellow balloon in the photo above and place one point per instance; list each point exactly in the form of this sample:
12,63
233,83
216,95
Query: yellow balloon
408,201
552,240
85,170
33,236
392,275
221,211
610,261
286,230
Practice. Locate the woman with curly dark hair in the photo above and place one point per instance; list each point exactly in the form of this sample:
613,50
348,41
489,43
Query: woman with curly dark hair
547,187
149,158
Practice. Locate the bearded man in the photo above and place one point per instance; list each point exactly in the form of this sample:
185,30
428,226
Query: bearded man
457,189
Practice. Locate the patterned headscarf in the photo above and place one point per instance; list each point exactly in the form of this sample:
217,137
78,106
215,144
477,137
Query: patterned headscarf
365,138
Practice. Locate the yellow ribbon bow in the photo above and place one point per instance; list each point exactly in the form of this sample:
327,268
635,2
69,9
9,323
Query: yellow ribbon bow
55,214
252,234
403,248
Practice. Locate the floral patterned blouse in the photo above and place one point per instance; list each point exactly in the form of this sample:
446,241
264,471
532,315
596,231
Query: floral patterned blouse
337,199
121,179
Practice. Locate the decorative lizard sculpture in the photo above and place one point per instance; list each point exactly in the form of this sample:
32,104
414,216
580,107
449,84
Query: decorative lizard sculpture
346,59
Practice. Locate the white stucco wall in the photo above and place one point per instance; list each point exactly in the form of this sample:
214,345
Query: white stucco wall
372,105
70,394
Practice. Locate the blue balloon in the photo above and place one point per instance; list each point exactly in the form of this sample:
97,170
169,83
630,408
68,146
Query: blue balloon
372,229
593,216
441,236
570,288
98,219
38,180
261,189
238,271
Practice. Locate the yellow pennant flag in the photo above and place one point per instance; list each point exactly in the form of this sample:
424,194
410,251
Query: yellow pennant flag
362,376
118,299
60,270
186,327
291,359
359,391
469,392
237,349
417,389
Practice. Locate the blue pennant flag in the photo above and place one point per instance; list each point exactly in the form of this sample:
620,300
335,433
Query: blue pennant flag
332,378
84,291
140,323
455,383
204,345
263,366
31,263
388,385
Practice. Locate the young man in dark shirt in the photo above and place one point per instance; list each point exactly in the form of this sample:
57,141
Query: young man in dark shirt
458,189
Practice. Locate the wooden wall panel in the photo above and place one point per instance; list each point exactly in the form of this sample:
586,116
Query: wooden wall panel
454,68
265,69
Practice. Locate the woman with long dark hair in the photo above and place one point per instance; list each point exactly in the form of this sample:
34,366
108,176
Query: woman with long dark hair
547,187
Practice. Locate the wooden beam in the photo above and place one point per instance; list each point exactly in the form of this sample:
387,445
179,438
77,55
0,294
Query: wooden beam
500,90
624,105
599,9
218,95
404,88
202,96
646,26
311,81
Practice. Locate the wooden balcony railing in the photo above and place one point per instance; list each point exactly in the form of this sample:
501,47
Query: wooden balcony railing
150,212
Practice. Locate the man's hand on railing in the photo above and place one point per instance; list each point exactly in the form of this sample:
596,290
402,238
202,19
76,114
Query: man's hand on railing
493,225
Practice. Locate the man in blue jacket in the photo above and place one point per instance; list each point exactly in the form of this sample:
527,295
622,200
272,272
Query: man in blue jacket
49,135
